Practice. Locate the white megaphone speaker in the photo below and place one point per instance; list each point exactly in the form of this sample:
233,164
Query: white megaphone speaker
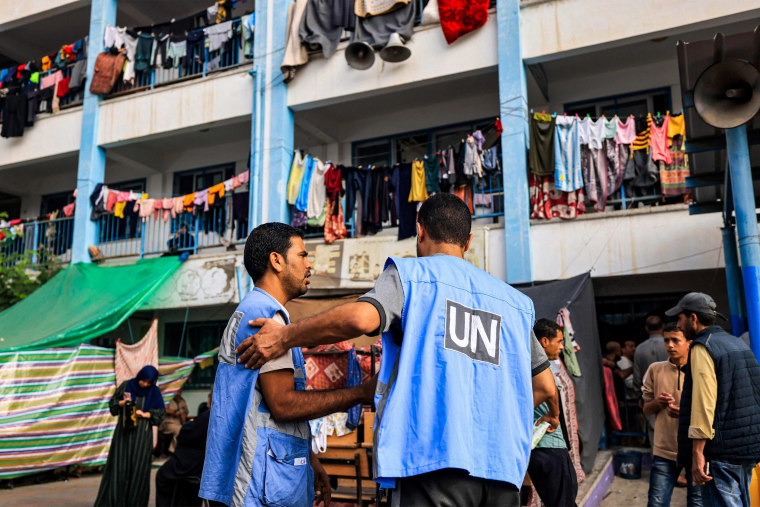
395,51
727,94
360,55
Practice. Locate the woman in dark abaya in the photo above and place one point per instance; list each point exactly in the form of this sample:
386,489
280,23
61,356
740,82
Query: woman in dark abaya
126,479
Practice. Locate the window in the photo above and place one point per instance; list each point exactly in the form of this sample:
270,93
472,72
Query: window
200,337
372,153
52,202
639,103
187,182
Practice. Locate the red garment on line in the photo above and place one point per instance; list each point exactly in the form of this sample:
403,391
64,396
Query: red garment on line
459,17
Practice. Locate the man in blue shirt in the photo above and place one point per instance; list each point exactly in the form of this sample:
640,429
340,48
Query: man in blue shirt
460,373
258,450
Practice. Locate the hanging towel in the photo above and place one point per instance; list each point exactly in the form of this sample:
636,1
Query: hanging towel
178,206
296,176
130,359
419,191
571,346
626,132
610,128
567,155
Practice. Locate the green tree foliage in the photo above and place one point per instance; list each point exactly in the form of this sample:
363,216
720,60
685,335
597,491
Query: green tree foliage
21,274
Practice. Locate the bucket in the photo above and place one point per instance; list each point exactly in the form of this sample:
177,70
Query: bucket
629,464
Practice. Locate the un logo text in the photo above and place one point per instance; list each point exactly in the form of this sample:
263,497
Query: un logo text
474,333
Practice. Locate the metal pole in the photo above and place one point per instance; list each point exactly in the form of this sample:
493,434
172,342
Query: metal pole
733,280
746,225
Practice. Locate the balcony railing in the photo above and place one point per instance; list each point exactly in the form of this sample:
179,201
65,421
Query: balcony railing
134,236
43,241
199,63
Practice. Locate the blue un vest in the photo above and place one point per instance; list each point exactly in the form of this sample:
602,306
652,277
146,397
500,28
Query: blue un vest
457,392
251,459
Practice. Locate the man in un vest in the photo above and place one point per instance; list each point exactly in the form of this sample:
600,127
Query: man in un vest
258,450
719,420
458,381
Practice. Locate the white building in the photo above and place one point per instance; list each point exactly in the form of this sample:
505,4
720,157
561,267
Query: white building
169,135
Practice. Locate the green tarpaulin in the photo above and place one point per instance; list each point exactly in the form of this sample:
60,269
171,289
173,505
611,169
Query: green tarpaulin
80,303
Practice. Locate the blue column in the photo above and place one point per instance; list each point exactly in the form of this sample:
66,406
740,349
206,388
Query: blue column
733,280
92,158
513,99
746,226
272,122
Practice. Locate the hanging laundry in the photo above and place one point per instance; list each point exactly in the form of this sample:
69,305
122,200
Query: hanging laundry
248,25
297,168
68,210
178,206
432,173
676,127
218,34
317,192
316,27
51,79
617,158
302,201
188,202
673,175
366,8
472,164
244,177
144,208
418,191
626,131
106,72
610,128
658,140
593,161
465,193
98,199
377,30
214,192
460,17
406,211
295,52
541,153
643,133
567,154
547,202
111,200
129,359
335,227
201,199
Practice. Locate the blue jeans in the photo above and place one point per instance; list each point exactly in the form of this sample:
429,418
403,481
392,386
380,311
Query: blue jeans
662,480
729,486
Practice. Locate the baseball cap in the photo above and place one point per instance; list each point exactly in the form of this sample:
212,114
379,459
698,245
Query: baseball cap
696,302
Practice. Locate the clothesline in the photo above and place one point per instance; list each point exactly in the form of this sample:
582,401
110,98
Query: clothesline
596,118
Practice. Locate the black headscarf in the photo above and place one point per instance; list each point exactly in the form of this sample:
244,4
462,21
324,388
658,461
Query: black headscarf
152,394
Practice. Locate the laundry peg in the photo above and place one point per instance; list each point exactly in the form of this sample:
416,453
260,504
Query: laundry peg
588,115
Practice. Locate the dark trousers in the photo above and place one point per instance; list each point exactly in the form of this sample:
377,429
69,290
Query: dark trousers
175,491
553,475
452,487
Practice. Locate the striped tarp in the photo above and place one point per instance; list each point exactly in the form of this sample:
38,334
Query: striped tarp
54,405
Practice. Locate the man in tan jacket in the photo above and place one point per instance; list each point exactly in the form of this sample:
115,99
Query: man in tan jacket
661,393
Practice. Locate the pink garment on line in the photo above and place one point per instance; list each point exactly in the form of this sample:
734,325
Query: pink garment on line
168,206
129,359
51,80
626,132
112,197
658,141
123,197
68,210
178,206
244,177
145,207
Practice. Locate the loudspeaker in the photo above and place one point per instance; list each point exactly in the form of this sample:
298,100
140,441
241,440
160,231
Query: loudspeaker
720,79
395,51
360,55
727,94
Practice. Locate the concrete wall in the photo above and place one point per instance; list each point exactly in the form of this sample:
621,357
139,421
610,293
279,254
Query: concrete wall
635,242
201,102
13,13
51,136
553,29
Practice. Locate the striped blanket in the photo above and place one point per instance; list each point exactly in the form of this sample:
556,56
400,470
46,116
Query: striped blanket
54,405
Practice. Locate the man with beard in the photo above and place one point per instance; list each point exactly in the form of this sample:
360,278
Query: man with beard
258,451
719,421
458,380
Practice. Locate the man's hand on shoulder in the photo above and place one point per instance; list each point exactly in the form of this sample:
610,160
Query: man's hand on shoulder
368,390
267,344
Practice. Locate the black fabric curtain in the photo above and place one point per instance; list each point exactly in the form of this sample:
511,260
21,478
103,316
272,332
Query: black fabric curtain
577,294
